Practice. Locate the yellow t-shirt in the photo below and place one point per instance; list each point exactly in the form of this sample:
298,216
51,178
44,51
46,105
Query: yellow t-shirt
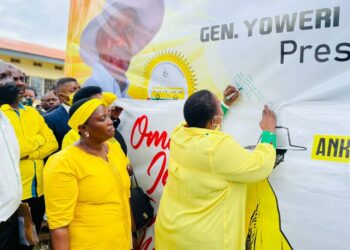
90,196
203,203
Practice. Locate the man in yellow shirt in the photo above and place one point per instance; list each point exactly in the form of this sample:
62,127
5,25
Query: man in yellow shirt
36,141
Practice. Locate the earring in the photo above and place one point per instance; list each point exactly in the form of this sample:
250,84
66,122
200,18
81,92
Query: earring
87,135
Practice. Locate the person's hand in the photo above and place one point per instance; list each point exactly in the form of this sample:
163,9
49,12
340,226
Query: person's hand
115,112
230,95
268,120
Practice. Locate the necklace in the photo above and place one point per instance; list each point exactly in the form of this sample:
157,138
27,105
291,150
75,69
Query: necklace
87,149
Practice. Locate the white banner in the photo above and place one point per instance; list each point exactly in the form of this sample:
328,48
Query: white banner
146,127
313,195
293,55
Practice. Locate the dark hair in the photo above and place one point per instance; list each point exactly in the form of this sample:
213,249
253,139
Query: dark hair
32,89
200,108
77,105
86,92
62,81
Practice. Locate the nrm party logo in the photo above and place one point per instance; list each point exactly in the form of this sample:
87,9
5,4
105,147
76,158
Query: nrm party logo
169,76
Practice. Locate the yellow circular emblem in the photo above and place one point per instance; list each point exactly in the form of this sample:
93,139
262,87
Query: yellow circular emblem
169,76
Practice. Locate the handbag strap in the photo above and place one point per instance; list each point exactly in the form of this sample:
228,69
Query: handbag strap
133,176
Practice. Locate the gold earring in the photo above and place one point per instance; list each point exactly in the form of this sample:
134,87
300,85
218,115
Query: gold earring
87,135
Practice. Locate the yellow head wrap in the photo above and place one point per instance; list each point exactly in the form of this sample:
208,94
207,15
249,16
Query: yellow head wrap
83,113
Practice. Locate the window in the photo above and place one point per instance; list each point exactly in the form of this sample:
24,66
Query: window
58,67
37,84
37,64
27,80
48,85
15,60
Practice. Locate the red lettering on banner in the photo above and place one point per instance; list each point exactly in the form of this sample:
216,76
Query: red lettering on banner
140,127
145,242
162,174
165,177
142,136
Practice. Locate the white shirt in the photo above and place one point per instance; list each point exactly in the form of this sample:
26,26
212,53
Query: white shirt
10,182
66,107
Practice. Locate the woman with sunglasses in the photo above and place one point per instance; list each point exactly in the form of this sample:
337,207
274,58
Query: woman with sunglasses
87,186
203,203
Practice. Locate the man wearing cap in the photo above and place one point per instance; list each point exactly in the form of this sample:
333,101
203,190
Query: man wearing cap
111,39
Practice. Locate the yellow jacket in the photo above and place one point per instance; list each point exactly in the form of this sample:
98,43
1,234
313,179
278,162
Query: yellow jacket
91,197
36,141
203,203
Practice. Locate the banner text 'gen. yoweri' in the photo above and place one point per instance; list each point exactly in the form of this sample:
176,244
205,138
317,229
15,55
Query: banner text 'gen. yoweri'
298,21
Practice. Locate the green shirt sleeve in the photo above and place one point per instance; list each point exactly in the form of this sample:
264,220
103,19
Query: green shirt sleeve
224,108
268,137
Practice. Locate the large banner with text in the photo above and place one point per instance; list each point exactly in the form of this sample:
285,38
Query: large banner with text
292,55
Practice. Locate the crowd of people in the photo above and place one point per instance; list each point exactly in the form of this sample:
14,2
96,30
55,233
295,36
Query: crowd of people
66,160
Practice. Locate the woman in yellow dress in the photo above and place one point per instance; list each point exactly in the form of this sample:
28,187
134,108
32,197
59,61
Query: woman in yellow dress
203,203
87,186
